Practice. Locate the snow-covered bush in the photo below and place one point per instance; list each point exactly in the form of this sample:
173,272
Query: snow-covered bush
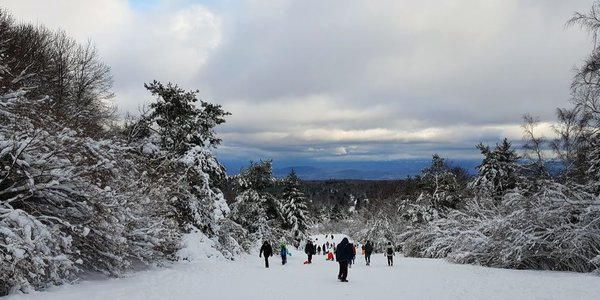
539,232
32,254
379,230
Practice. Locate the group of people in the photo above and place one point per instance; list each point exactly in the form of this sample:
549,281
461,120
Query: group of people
267,251
345,254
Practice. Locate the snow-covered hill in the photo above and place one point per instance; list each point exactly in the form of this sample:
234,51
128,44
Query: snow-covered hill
247,278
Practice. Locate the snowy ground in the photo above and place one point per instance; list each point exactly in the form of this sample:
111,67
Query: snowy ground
409,278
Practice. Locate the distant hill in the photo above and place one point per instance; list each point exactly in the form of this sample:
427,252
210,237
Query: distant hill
361,170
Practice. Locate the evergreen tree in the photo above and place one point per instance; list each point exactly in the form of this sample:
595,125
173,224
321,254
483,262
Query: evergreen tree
249,211
255,205
294,210
185,135
180,123
498,172
439,183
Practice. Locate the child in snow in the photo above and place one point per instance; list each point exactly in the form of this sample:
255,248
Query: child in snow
284,253
329,256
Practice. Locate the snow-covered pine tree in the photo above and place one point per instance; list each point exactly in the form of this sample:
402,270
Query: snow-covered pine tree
249,211
180,124
439,184
181,135
498,172
256,208
294,210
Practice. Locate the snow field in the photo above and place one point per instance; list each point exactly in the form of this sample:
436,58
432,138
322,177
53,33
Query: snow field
247,278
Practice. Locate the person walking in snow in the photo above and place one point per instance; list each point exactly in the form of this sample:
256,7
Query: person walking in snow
368,252
319,249
389,252
309,249
283,251
267,251
343,255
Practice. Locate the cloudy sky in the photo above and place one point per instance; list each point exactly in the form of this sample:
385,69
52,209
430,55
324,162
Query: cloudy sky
339,80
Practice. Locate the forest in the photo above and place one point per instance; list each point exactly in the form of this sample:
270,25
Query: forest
84,191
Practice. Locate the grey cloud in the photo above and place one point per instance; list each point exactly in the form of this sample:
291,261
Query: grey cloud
422,76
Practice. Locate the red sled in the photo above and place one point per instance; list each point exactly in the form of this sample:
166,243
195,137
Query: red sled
306,262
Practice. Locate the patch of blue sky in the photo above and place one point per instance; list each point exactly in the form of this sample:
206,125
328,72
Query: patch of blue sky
141,5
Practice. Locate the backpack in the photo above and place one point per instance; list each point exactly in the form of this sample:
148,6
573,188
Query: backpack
390,250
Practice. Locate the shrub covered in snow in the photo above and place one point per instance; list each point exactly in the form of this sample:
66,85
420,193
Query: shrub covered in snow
539,232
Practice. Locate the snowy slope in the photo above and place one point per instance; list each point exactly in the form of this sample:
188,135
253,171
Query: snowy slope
247,278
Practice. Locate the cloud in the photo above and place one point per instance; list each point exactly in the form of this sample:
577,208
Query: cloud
359,80
167,42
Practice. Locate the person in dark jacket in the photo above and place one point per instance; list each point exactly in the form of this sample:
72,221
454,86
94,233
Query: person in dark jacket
390,252
368,252
343,255
352,258
309,249
267,251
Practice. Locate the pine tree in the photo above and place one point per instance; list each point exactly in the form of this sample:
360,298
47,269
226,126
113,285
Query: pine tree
180,124
498,172
439,182
294,210
255,205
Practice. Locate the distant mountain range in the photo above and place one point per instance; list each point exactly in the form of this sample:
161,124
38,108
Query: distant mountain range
375,170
